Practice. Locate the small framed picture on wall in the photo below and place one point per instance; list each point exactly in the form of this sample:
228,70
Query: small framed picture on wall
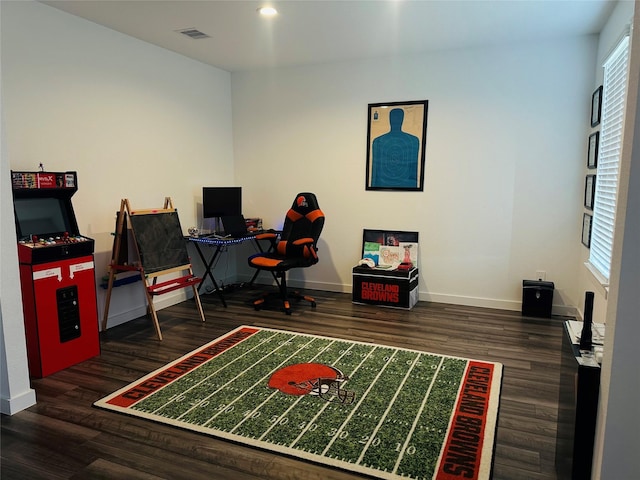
594,145
587,219
589,191
596,106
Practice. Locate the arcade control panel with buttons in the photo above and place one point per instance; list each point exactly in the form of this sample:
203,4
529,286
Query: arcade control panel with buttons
39,250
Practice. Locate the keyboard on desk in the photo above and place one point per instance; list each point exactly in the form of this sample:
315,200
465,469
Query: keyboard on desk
229,236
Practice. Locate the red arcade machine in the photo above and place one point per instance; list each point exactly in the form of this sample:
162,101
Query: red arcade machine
56,273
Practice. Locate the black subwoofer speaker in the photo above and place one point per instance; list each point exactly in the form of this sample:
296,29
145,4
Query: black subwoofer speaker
537,298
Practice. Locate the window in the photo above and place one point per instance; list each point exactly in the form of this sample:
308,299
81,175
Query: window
604,209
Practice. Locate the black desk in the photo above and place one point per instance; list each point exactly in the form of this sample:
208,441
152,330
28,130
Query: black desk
220,244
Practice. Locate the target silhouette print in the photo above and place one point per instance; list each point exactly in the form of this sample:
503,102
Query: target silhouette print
395,161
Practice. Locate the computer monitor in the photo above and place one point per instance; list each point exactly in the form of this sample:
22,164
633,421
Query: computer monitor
221,201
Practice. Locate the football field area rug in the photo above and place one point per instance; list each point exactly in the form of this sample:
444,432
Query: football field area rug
378,410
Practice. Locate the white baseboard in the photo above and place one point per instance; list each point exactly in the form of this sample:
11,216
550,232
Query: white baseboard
566,311
178,296
13,405
160,302
512,305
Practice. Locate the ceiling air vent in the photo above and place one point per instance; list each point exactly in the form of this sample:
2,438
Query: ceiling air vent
193,33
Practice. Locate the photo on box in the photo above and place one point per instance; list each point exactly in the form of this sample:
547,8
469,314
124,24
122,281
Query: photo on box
386,247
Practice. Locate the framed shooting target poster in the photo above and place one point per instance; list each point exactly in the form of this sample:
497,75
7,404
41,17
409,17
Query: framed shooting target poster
396,141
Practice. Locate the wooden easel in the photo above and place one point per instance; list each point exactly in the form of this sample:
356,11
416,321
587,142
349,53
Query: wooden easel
161,250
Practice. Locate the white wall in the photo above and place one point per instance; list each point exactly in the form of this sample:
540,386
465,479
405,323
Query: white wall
136,121
505,152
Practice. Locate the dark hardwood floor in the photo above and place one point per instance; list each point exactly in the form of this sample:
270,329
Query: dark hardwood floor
64,437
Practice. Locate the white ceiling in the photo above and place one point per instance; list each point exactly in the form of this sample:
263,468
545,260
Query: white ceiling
309,32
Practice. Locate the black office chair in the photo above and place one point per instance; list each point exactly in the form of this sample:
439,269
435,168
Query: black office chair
294,247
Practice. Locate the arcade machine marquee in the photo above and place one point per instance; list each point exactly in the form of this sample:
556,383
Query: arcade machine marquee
56,273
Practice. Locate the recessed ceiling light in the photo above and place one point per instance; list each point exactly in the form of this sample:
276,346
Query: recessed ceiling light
267,11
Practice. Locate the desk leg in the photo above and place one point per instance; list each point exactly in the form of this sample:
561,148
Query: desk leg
208,273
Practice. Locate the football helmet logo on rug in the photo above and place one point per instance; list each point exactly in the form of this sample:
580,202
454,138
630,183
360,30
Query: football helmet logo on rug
312,379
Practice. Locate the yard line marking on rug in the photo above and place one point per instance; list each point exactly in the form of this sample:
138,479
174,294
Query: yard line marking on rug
364,395
417,417
257,409
226,366
383,418
294,404
324,349
172,400
230,381
142,388
258,382
205,401
315,418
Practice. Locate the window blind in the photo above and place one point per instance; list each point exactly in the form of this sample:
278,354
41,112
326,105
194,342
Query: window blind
604,209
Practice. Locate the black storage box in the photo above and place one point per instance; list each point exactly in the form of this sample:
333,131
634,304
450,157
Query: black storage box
389,288
537,298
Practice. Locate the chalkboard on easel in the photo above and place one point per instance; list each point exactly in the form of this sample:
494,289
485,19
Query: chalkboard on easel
161,250
160,241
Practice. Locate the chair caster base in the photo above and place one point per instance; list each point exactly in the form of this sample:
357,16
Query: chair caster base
258,304
286,305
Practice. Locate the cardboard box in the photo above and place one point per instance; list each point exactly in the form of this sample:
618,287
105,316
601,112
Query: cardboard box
388,288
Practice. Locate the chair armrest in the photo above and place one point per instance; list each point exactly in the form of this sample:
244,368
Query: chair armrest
266,235
304,241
